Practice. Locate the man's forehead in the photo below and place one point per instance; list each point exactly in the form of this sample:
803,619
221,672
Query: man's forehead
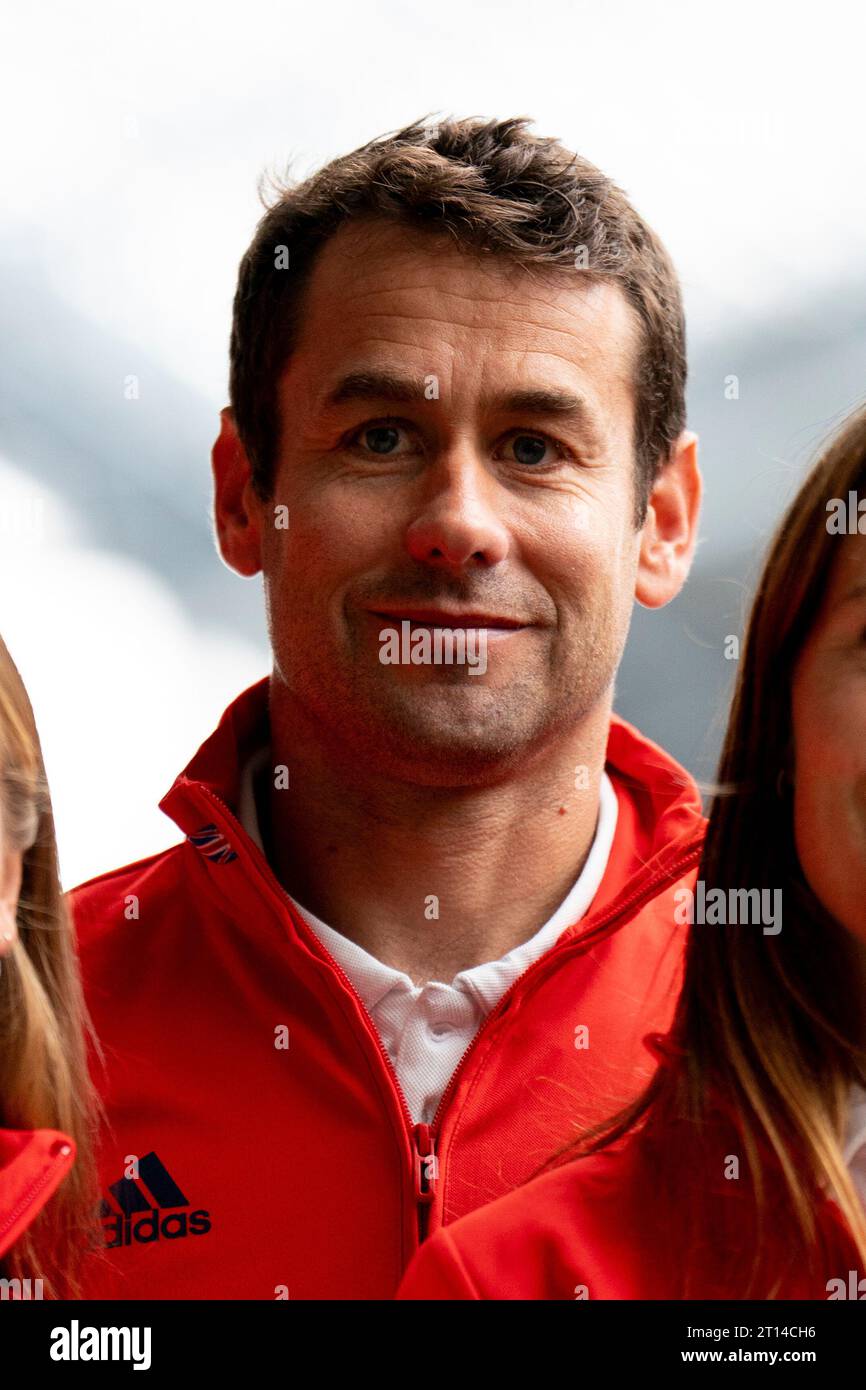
373,267
371,279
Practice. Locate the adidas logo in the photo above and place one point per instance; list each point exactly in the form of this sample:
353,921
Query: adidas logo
150,1207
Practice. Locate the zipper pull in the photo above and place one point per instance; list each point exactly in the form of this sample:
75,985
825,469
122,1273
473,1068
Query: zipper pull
426,1164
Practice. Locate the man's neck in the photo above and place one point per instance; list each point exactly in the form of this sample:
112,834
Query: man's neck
431,880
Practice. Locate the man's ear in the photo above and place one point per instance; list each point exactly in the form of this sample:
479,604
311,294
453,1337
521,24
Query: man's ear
670,531
237,510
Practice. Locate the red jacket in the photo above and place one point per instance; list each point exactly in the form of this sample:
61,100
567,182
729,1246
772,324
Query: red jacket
296,1171
606,1227
33,1164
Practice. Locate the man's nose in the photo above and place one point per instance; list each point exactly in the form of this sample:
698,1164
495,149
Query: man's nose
458,523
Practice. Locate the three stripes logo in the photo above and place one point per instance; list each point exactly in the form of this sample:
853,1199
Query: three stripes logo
150,1207
213,844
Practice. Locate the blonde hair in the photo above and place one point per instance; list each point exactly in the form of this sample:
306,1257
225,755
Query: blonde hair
44,1027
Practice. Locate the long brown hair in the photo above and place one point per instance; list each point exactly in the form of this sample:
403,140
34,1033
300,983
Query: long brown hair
769,1028
44,1080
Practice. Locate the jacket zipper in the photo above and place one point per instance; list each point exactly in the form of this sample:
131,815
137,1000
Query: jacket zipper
425,1172
424,1136
426,1175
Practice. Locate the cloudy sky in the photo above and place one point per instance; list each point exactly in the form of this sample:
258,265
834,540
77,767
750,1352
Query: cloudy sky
134,135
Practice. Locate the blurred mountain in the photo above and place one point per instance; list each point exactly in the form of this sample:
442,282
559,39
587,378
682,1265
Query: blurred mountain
136,472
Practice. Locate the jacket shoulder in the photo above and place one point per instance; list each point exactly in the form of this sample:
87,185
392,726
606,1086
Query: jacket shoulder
93,903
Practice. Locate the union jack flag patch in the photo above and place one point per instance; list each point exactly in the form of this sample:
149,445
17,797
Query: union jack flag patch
213,844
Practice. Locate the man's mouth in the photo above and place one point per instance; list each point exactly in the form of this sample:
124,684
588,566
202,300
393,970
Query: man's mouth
454,619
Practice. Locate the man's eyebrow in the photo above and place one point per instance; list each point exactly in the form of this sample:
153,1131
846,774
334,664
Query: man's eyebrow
857,591
537,400
374,386
546,400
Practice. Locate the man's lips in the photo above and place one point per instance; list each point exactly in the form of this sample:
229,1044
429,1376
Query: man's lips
449,618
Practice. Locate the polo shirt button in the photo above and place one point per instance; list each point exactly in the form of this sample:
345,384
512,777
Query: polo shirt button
442,1030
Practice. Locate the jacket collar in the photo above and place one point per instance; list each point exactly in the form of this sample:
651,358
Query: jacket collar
219,762
660,816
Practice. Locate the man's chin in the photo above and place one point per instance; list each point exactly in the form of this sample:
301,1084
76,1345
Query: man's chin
437,736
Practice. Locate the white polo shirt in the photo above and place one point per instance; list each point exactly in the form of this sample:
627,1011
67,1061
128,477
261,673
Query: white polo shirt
426,1028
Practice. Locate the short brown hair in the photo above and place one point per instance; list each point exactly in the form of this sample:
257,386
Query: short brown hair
493,186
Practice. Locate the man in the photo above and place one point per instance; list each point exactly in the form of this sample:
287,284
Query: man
423,916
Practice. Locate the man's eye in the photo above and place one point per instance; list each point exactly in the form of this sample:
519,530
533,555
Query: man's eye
531,449
389,439
381,440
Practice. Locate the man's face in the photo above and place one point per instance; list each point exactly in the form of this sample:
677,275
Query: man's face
499,493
